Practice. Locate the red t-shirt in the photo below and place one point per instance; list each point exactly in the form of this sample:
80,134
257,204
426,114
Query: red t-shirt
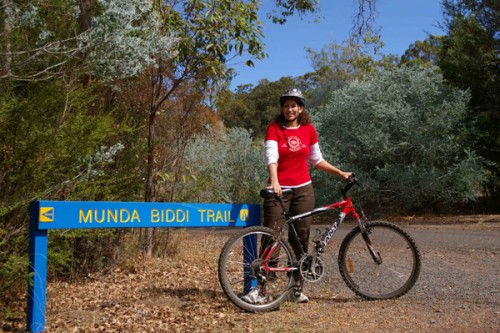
293,149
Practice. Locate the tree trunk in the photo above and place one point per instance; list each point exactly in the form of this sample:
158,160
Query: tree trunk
6,33
157,99
84,21
149,190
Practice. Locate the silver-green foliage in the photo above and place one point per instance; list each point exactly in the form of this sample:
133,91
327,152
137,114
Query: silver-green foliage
126,38
401,130
123,39
229,167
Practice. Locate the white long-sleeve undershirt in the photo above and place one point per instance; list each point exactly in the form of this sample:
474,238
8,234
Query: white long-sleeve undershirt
272,155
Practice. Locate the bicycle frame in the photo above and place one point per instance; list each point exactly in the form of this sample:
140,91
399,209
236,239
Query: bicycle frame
274,267
347,208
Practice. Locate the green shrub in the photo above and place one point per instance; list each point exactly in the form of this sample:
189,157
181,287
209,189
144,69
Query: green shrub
402,131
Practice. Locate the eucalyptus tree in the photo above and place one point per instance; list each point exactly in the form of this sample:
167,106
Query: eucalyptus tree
337,65
60,137
216,160
211,34
252,108
174,43
110,39
402,131
470,59
423,53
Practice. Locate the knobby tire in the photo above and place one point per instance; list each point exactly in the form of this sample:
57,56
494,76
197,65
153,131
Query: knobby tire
399,269
239,262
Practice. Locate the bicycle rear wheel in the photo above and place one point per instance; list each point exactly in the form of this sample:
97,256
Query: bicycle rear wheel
396,272
241,269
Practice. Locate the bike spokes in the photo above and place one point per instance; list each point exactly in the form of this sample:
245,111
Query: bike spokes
386,267
254,269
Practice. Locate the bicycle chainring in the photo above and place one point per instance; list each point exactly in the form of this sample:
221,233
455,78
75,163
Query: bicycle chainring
309,273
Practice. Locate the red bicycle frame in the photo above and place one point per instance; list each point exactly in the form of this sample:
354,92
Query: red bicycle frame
346,207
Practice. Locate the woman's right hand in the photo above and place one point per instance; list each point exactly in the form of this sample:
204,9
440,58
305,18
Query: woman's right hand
276,187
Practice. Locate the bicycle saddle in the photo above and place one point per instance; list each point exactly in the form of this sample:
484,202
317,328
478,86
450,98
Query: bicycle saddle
269,192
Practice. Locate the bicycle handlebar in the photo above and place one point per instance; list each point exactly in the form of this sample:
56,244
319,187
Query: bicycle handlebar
351,181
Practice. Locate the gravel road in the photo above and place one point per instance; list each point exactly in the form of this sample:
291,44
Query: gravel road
457,290
458,287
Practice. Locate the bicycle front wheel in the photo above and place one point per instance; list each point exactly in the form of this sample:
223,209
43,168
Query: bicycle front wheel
243,268
389,272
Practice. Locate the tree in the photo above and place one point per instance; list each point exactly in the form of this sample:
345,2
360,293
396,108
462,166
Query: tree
351,60
88,42
253,108
61,136
401,131
364,20
55,145
209,32
470,59
336,65
110,39
186,117
286,8
423,53
229,167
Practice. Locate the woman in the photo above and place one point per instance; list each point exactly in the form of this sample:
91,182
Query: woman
290,141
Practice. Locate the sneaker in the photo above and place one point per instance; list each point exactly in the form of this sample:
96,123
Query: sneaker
301,298
254,297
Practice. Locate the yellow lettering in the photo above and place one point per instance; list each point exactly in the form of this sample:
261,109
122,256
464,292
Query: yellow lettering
182,216
109,215
96,216
228,216
112,215
155,216
208,215
124,215
86,218
135,216
169,216
218,217
202,214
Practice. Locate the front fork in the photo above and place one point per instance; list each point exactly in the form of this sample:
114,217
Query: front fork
365,232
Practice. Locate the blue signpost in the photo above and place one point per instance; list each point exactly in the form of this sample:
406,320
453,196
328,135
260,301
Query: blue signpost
46,215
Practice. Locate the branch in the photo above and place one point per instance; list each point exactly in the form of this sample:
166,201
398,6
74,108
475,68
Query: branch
364,19
52,45
54,49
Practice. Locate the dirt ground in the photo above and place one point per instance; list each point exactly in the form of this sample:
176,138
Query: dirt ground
457,291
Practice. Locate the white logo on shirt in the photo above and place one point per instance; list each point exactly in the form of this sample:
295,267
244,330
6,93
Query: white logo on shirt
294,143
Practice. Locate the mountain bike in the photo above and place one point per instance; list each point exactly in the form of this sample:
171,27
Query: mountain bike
377,260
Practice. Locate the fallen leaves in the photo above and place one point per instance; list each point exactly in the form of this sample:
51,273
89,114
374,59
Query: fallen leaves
182,294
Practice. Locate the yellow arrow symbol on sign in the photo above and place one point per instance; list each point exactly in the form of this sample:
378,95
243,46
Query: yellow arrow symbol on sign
46,214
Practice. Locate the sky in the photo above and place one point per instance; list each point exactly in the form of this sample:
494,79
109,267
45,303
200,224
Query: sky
402,22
